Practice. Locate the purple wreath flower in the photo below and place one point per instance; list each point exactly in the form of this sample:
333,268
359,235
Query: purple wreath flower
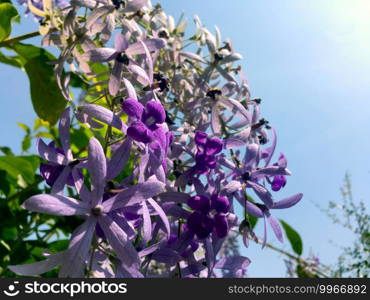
95,212
262,211
250,175
121,54
207,149
61,166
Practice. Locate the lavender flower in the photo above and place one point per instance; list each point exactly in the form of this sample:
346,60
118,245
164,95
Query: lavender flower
96,212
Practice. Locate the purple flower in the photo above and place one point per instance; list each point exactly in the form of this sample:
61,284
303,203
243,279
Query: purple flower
250,175
121,55
95,212
262,211
60,168
203,221
278,182
207,149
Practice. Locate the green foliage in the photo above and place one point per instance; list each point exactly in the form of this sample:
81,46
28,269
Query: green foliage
8,14
293,237
19,168
47,100
10,60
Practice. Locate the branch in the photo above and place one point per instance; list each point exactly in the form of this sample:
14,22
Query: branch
19,38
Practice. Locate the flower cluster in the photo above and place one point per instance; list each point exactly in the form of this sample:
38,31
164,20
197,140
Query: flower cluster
177,150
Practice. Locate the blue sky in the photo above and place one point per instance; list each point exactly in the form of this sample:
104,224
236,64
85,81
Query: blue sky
310,63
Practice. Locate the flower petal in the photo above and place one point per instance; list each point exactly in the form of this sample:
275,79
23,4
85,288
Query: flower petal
161,214
130,89
147,223
287,202
152,44
49,153
120,42
119,159
275,227
61,181
119,242
156,111
262,193
78,251
115,78
64,126
99,55
57,205
139,132
251,155
133,195
39,267
215,120
97,165
102,114
133,108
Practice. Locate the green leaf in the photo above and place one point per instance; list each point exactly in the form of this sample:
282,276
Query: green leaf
48,102
6,150
8,13
10,60
15,166
293,237
24,127
252,221
4,184
58,246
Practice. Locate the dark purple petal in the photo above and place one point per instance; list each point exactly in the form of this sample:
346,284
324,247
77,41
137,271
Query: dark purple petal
200,138
200,203
201,224
139,132
133,108
220,204
155,110
213,146
221,225
50,173
278,182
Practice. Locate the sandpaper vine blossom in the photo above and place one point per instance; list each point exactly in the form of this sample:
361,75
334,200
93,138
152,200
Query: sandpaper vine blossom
176,144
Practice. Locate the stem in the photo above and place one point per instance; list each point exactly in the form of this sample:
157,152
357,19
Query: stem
19,38
293,257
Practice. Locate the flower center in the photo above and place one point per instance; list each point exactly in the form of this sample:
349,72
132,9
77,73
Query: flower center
123,58
97,210
246,176
214,93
